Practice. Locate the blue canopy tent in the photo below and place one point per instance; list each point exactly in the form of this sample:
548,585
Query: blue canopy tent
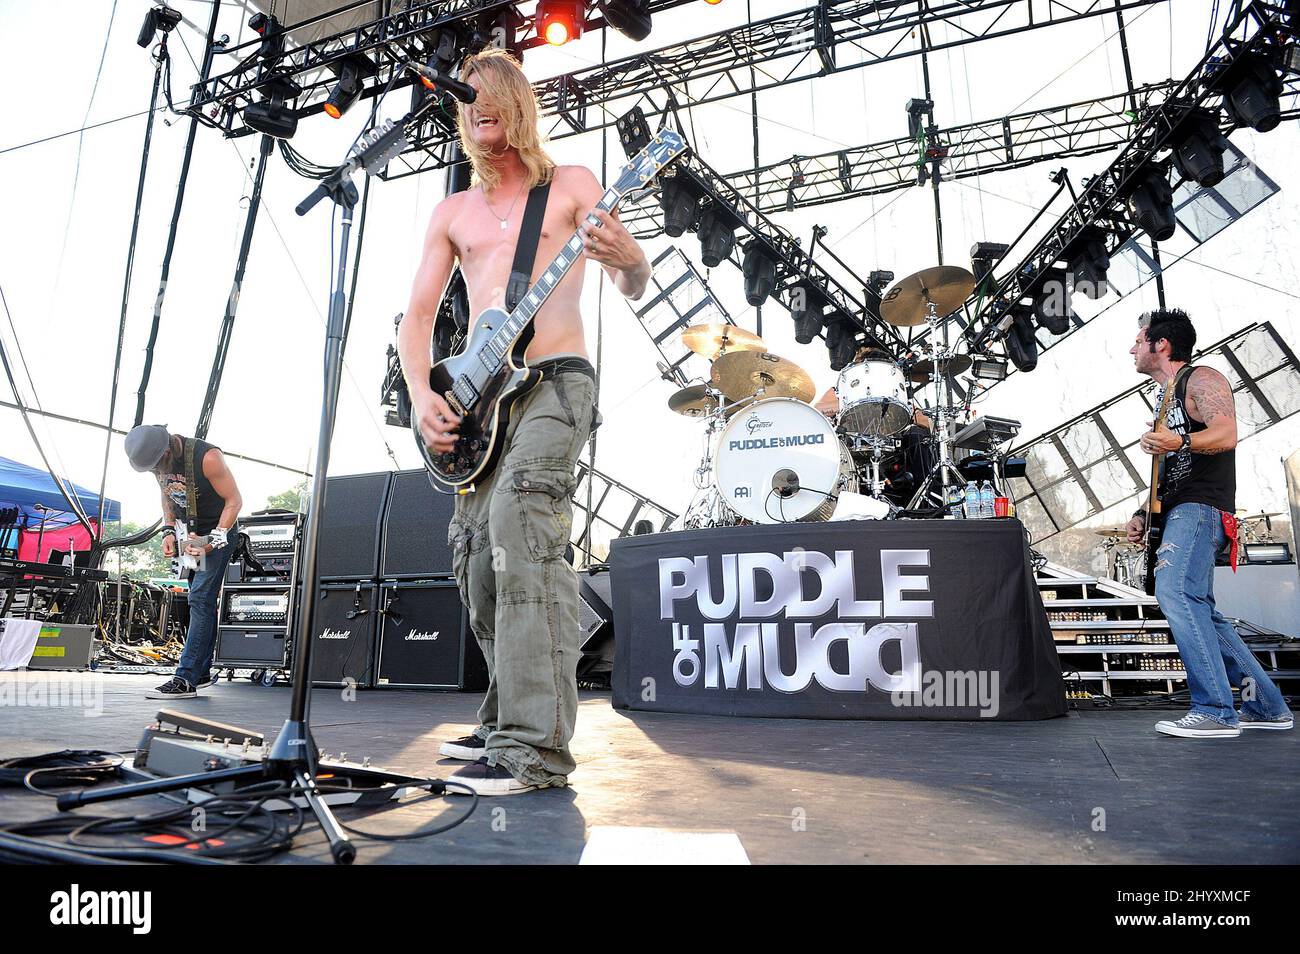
24,487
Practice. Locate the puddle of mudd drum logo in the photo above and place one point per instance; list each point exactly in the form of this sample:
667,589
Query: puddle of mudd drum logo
76,907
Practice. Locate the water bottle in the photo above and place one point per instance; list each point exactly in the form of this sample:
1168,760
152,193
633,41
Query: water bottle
987,507
972,510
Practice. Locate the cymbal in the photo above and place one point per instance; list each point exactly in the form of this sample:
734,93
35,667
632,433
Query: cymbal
1242,515
739,374
921,371
714,339
906,303
692,401
1111,532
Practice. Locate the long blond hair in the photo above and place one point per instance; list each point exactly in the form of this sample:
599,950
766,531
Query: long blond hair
504,87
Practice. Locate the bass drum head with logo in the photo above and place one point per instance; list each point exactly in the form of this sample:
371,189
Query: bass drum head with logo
773,436
873,399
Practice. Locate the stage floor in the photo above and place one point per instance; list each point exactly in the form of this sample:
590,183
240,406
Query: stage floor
790,790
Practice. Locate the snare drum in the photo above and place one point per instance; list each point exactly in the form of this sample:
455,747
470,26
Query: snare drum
873,399
782,442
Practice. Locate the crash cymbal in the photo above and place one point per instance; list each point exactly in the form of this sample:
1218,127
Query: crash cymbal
692,401
921,371
1111,532
741,373
1242,515
906,304
712,340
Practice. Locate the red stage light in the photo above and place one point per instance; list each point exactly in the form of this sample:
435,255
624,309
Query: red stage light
559,21
557,33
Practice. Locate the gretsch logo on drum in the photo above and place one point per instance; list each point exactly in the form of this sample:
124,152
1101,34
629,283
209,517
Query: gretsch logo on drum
756,423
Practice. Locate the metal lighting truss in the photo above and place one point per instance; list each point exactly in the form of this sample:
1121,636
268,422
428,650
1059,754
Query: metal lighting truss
1259,28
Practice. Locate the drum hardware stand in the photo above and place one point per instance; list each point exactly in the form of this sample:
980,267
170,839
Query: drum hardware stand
942,419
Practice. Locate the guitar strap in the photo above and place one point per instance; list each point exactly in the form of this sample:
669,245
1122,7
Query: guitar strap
191,487
521,272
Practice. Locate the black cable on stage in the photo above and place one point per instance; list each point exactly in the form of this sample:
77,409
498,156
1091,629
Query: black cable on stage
425,833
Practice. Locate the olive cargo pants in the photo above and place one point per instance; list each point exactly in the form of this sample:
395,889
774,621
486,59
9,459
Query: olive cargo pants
508,542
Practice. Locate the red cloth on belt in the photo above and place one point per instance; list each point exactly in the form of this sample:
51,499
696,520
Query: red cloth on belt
1230,529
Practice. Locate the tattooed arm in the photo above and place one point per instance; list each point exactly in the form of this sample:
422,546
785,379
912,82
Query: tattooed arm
1209,400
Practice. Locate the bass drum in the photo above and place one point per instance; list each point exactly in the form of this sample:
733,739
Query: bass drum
782,442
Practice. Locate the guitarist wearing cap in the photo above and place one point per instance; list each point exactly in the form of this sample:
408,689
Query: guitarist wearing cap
1197,500
510,532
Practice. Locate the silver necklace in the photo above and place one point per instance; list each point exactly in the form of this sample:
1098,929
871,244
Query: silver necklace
506,221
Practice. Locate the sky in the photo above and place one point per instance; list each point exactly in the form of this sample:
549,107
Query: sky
63,256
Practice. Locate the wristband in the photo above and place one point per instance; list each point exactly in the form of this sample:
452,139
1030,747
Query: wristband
167,530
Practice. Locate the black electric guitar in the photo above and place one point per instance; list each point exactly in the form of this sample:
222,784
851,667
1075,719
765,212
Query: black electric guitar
483,381
1155,513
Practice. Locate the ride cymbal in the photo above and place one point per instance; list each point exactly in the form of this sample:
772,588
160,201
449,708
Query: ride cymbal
711,340
692,401
907,303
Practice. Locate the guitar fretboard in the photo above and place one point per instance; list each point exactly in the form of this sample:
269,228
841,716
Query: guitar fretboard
500,343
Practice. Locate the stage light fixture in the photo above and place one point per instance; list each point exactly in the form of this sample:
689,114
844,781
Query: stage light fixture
271,115
1199,154
680,203
759,271
840,342
272,33
1089,262
161,18
983,257
1254,93
633,131
717,234
988,369
629,17
1022,347
1151,203
1267,553
346,91
806,306
1052,308
559,21
877,282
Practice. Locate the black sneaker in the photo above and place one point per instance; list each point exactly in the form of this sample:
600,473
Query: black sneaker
486,779
173,688
468,749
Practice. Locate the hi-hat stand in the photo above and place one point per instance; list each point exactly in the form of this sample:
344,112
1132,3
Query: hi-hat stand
942,418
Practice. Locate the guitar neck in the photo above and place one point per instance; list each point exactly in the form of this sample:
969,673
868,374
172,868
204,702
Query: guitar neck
531,303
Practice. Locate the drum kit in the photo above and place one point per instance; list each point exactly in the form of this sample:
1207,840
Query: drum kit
770,456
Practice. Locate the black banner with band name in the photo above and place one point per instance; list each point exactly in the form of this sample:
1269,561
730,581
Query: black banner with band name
921,619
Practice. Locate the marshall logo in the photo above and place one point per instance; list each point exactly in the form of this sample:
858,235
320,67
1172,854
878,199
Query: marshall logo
335,634
415,634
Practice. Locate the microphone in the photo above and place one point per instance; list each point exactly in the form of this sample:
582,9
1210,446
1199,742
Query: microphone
435,80
785,482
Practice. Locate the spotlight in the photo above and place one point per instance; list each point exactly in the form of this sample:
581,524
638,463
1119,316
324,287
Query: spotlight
717,234
161,18
1152,204
1199,155
983,257
877,282
988,369
806,307
680,203
629,17
271,116
272,33
1254,91
713,3
1089,262
759,272
559,21
840,342
1052,301
633,131
348,89
1022,347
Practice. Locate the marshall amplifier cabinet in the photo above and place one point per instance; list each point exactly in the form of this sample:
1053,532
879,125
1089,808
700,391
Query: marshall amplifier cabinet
424,639
243,607
245,647
343,635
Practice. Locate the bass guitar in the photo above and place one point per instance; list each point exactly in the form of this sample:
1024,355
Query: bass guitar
484,381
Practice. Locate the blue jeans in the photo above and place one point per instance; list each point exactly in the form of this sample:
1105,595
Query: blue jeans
1215,657
201,639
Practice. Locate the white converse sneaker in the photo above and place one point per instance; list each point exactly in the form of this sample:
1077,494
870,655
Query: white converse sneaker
485,779
1285,722
1197,725
467,749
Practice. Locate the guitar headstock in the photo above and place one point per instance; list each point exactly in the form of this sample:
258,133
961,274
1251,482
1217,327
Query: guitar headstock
664,149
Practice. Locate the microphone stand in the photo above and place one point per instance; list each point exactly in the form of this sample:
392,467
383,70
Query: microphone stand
293,757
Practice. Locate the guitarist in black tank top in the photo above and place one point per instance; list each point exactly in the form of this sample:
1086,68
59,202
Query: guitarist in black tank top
1198,500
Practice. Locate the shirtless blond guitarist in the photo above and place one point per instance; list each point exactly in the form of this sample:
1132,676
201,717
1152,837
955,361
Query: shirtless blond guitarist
509,535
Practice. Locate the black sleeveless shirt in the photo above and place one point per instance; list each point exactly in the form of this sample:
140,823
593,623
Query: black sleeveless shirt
207,501
1196,478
